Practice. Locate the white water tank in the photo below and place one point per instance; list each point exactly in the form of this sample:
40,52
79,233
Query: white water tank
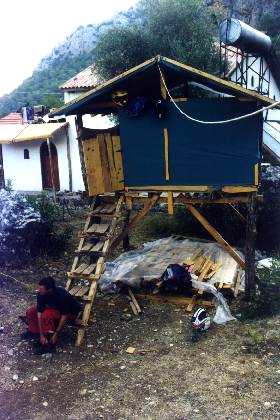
238,34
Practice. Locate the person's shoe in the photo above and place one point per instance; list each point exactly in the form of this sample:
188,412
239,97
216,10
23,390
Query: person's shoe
27,335
46,349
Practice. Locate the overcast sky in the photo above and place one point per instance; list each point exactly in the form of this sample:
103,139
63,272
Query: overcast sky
30,29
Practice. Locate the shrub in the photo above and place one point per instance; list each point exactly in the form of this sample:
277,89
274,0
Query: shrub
266,301
17,220
28,228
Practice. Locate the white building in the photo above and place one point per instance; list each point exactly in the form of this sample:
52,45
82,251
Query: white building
270,84
34,157
74,87
26,159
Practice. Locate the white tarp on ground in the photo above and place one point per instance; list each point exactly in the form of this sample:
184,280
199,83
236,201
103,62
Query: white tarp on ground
151,260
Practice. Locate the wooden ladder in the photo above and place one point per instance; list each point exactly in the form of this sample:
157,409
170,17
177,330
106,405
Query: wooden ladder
89,261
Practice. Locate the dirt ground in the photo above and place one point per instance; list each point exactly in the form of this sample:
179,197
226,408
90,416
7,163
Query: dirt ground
233,372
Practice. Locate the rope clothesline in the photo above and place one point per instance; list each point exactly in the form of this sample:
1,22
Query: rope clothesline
241,117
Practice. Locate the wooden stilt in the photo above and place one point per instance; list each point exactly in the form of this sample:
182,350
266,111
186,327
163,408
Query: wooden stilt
170,202
250,275
126,243
216,235
79,128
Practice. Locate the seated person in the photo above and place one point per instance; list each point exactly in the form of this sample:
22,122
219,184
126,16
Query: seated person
55,306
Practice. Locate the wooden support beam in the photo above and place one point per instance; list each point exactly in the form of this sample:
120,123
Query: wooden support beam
136,219
170,202
251,231
79,128
213,232
166,153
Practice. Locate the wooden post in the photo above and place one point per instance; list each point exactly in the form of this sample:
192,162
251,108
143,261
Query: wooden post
69,160
79,128
126,243
250,275
52,171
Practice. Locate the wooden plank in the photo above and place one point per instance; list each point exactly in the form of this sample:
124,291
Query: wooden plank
256,174
97,247
98,228
98,209
203,273
111,161
216,235
191,188
163,188
239,189
75,289
116,142
87,247
80,268
82,291
170,203
89,269
93,166
237,283
105,168
166,153
132,297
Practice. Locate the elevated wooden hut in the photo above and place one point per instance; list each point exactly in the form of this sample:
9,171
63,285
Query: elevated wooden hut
166,144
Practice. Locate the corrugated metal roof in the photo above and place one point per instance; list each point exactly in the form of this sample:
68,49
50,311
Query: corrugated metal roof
16,133
86,79
12,118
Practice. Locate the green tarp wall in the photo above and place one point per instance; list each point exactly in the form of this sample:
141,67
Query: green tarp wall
213,155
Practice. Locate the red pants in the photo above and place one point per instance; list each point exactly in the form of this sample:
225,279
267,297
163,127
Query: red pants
49,320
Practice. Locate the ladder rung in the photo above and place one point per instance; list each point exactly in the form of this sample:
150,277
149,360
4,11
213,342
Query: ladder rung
89,269
80,268
98,228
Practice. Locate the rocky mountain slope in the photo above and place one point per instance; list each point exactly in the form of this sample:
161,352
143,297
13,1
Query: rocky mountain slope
77,52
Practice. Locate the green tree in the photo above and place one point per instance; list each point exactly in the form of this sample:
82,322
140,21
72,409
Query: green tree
270,24
185,30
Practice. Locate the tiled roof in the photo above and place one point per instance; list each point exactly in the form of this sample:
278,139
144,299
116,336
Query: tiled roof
12,118
86,79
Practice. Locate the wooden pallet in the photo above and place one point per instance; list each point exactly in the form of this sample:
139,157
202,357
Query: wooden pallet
89,260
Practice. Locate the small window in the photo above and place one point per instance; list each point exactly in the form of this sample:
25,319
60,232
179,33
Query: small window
274,97
252,81
26,154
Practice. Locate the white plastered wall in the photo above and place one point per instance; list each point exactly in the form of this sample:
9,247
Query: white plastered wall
25,174
88,122
271,133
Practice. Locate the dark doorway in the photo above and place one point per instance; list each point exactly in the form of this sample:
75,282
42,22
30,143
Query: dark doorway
49,167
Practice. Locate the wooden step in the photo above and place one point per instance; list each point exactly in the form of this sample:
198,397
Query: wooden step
91,248
79,290
104,209
99,228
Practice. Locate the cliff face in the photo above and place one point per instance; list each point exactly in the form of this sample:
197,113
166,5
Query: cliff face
250,11
77,52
